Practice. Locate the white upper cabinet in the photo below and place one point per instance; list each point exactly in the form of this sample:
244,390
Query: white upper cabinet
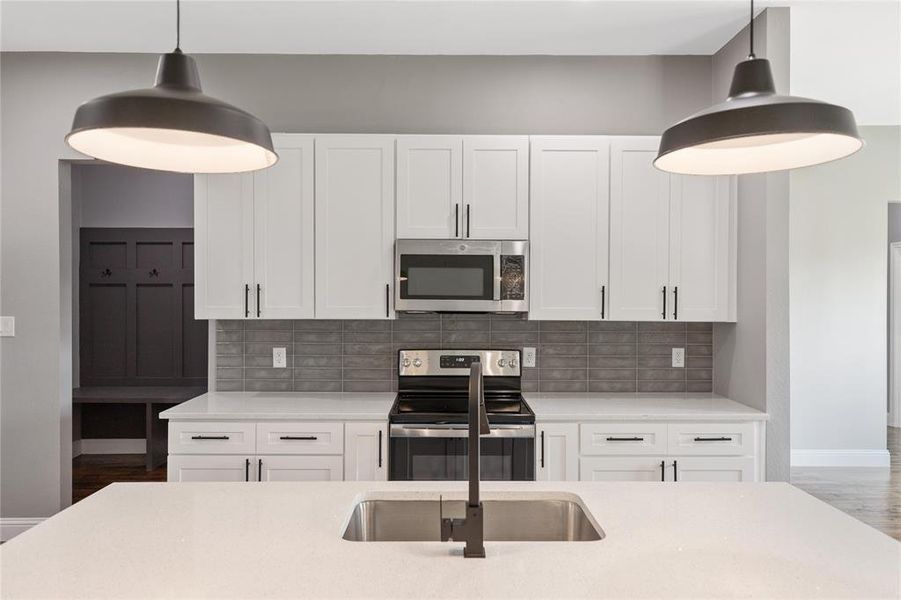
223,246
354,226
569,227
283,231
495,187
429,186
672,240
702,248
254,238
639,230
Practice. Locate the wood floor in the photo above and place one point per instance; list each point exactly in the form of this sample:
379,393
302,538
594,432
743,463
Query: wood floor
871,495
93,472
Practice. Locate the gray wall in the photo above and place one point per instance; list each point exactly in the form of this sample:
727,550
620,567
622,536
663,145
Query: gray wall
752,359
39,92
361,356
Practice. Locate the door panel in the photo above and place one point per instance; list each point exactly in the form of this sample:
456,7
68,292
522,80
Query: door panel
209,468
299,468
639,231
621,469
496,187
557,446
366,451
429,186
712,468
569,228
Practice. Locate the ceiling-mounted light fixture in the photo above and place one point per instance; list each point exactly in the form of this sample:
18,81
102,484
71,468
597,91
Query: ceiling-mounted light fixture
755,130
172,126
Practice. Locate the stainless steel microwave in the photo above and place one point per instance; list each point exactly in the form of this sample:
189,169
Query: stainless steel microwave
461,276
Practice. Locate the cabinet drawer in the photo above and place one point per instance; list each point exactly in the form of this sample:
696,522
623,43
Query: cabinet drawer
211,437
711,439
300,438
622,438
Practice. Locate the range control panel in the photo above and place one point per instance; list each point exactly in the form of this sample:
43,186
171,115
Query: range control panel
495,363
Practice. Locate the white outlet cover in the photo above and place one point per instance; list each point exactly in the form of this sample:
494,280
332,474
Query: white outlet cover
678,357
7,326
528,357
279,358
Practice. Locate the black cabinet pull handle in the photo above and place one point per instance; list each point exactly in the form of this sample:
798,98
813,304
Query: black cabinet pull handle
468,228
387,300
662,470
664,302
209,437
542,449
246,469
457,220
675,471
246,301
260,470
258,300
713,439
676,302
380,448
603,299
625,439
299,437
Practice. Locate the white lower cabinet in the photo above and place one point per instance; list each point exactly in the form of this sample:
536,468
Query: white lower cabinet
557,452
650,451
277,451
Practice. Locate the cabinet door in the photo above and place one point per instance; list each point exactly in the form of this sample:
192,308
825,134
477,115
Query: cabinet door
649,468
702,211
569,227
557,452
209,468
366,451
354,226
223,246
496,187
298,468
639,231
283,231
711,468
429,186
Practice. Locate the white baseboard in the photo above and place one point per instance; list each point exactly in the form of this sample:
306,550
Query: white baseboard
11,527
840,458
110,446
76,448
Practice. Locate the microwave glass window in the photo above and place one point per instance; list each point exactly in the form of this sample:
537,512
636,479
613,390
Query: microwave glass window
441,276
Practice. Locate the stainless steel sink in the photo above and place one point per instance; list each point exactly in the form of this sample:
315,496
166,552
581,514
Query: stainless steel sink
522,520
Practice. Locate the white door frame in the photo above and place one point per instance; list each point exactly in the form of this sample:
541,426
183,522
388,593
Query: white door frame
894,341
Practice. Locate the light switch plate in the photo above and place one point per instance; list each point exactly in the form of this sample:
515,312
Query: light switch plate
528,357
678,357
279,358
7,326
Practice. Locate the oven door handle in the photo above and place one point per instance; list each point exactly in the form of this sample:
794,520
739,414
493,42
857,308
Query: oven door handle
399,430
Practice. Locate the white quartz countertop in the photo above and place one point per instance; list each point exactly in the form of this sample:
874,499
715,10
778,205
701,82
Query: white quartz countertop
375,407
288,405
631,407
283,540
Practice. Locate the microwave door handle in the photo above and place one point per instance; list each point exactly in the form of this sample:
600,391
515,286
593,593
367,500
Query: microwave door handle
497,278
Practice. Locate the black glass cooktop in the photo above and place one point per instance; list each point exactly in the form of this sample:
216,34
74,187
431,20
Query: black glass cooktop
448,408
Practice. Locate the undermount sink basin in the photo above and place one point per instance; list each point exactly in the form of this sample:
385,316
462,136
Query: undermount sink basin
561,519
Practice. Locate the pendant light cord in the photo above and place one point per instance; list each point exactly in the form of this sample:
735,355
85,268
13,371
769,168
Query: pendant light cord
178,25
751,55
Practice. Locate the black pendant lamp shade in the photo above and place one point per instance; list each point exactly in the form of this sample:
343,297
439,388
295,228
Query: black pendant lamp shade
756,130
172,126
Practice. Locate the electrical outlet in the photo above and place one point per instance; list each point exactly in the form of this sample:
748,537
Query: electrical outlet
528,357
279,358
7,327
678,357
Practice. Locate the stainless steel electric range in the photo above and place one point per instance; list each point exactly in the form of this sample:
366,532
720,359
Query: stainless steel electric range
428,422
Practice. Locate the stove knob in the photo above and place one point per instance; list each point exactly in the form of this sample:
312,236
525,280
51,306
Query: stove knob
417,362
406,362
512,363
501,363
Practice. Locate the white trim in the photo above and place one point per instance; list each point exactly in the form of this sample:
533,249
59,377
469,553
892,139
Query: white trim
113,446
894,343
11,527
76,449
840,458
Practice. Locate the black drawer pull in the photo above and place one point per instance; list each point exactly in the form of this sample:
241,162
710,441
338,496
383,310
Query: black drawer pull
299,437
209,437
625,439
713,439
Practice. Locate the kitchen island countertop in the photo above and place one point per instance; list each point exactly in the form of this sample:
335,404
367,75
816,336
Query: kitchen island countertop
280,540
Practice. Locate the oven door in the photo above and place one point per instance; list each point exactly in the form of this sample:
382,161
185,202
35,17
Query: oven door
459,276
506,455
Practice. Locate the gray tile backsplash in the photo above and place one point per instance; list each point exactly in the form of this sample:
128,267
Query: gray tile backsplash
361,356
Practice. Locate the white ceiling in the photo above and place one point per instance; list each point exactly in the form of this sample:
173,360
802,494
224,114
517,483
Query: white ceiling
558,27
